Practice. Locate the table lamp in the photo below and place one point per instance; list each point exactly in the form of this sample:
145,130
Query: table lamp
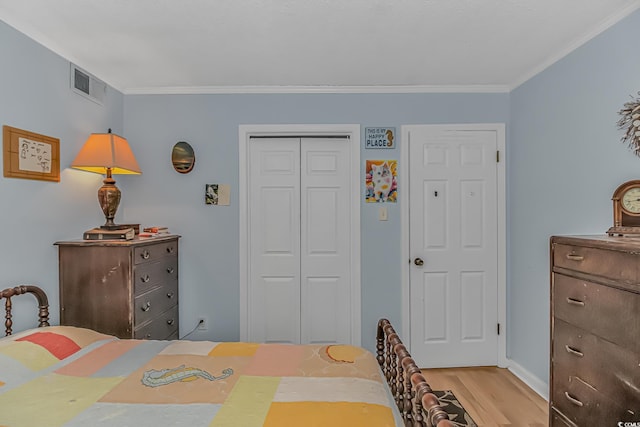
107,153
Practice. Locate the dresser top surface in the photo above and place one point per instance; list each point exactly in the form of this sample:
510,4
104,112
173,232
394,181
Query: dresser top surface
603,241
136,241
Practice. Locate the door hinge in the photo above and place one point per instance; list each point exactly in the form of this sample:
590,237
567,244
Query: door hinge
498,328
498,156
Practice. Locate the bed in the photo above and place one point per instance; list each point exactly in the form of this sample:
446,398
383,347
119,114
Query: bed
66,376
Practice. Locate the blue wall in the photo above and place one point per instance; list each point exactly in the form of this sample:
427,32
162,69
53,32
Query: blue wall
564,160
35,95
209,262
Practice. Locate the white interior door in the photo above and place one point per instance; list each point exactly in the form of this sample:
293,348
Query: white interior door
299,240
453,246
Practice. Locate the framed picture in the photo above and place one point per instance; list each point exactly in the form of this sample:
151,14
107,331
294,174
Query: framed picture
211,194
381,181
30,155
217,194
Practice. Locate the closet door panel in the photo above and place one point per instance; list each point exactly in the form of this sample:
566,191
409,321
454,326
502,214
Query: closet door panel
274,302
325,260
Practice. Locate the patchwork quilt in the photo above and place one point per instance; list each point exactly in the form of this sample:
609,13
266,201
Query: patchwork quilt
63,376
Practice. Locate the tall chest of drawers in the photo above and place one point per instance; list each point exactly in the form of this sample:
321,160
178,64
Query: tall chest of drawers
595,331
124,288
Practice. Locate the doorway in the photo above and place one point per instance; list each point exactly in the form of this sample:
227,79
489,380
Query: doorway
454,232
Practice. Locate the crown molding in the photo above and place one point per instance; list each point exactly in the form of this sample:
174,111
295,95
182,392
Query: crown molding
200,90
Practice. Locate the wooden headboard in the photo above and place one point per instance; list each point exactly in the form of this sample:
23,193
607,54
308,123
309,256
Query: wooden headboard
43,304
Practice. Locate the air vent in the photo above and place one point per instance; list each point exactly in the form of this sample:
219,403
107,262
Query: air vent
87,85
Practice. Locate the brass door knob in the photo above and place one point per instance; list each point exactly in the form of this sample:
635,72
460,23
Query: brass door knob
418,261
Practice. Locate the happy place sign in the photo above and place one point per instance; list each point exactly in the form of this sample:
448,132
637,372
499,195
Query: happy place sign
379,137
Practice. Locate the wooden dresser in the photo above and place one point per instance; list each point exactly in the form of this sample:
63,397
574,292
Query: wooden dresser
123,288
595,331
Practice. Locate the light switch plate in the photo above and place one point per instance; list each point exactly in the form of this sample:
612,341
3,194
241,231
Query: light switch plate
383,215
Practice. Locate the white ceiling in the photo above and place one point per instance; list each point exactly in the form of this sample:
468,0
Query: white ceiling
209,46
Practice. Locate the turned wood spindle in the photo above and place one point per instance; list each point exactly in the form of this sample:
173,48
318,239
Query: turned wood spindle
43,304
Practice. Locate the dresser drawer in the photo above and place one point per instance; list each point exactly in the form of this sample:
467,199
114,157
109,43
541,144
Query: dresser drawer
150,274
614,265
150,304
149,253
162,327
609,368
585,406
557,420
602,310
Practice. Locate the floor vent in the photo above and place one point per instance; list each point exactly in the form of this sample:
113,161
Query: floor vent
87,85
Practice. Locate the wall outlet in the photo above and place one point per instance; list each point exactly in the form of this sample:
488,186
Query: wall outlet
203,323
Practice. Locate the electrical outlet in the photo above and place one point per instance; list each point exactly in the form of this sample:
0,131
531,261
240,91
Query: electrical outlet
203,323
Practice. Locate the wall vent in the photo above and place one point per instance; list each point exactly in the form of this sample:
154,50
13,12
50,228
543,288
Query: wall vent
87,85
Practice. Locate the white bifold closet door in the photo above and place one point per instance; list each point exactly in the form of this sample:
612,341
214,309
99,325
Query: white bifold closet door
299,240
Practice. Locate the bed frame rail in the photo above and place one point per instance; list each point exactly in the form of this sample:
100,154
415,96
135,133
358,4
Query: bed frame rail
409,388
43,304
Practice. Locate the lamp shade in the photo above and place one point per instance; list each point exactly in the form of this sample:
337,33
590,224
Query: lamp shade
103,151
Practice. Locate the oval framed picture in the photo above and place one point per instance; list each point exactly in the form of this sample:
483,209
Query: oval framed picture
183,157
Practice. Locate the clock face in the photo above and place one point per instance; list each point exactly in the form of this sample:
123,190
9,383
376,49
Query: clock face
631,200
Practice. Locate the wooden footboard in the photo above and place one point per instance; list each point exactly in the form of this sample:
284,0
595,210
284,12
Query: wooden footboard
43,304
418,405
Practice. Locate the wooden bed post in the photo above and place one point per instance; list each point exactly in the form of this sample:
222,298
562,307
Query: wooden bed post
43,304
7,315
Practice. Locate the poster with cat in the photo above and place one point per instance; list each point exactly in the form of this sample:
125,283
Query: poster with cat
381,181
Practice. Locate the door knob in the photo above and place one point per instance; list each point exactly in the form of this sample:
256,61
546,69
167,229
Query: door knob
418,261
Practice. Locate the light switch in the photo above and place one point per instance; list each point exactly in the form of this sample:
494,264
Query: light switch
382,213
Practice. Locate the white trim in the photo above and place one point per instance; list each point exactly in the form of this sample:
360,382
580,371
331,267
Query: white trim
499,128
275,89
245,132
502,245
532,381
405,257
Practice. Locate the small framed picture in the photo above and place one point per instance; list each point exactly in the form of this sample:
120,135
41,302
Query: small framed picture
30,155
381,181
211,194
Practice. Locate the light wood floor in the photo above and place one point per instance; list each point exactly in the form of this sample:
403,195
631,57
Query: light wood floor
492,396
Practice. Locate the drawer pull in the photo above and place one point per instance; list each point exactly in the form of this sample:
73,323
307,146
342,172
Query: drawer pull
170,322
146,307
573,399
170,294
574,301
170,249
145,254
170,270
148,336
574,257
573,351
145,278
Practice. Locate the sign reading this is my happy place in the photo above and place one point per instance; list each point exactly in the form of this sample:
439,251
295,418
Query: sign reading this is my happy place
379,137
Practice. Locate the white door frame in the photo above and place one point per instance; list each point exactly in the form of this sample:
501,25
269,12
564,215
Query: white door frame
353,132
499,128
